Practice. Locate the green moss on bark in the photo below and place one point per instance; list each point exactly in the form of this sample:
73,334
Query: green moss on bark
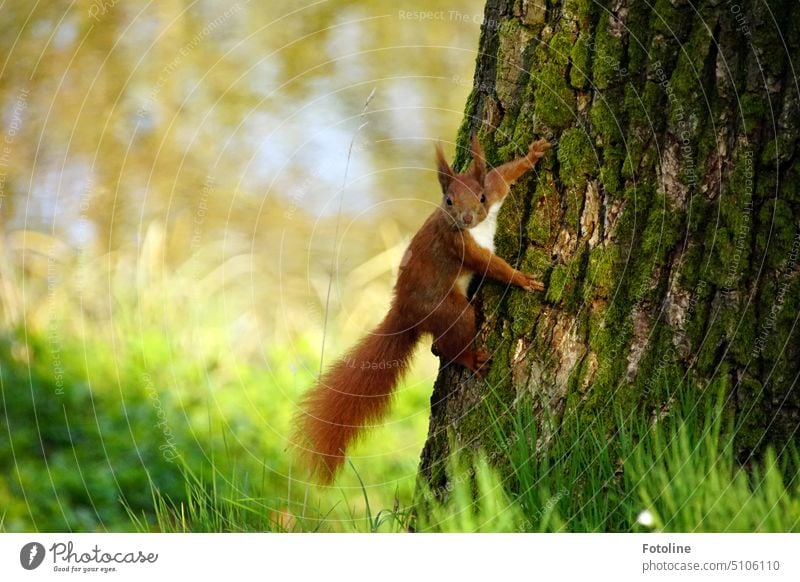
553,98
607,63
580,62
602,271
776,240
611,171
545,217
608,116
686,80
577,157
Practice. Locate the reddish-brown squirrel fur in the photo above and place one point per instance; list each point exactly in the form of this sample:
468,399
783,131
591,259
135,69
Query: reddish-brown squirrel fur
355,391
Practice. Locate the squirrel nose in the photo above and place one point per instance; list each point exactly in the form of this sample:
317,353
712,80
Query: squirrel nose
467,218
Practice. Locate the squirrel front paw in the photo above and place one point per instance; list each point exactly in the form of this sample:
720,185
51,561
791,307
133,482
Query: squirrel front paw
530,283
538,149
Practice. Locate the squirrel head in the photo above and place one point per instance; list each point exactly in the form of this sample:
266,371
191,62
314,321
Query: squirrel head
464,197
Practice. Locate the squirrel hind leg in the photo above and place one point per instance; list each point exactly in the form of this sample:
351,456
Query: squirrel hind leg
454,329
454,349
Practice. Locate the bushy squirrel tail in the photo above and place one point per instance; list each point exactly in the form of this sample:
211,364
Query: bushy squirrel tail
351,395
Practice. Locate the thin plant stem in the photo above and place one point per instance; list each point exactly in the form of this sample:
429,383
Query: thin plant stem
336,232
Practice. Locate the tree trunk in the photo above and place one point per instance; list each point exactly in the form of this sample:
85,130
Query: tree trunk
664,223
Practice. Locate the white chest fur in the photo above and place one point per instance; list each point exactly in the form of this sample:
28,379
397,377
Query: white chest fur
483,234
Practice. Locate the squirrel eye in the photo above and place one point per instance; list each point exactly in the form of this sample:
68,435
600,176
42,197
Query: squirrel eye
483,198
449,201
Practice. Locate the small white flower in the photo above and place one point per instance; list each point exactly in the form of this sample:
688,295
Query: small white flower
646,518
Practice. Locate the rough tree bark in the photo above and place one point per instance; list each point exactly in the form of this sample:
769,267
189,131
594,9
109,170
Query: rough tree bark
665,223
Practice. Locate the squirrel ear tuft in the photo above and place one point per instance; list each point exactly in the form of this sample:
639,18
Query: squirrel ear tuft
446,174
478,166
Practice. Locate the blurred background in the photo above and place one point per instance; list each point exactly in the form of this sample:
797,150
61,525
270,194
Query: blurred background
173,217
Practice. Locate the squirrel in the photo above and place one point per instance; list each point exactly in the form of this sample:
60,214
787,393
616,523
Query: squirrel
454,244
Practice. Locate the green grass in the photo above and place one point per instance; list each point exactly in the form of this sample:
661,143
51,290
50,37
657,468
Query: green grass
679,466
112,452
474,501
679,469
